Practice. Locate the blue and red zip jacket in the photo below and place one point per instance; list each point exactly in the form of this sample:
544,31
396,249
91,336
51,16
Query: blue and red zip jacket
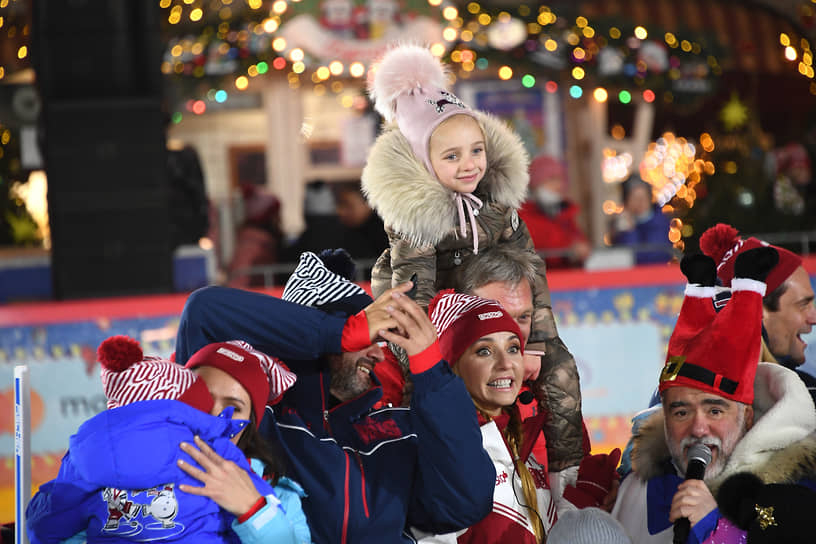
369,473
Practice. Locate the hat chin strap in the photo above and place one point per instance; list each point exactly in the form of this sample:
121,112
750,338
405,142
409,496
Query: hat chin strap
467,201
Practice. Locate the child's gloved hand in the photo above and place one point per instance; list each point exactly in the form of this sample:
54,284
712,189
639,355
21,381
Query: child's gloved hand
596,475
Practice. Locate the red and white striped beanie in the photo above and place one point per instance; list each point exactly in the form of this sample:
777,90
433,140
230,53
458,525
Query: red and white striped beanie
265,378
462,319
128,376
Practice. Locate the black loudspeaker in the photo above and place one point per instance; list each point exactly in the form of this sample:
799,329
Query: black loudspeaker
86,49
108,198
98,66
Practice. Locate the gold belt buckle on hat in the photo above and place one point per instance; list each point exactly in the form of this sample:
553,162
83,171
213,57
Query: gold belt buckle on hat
672,368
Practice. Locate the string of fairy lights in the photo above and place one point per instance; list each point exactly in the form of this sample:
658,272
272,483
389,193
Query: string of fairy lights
555,46
537,46
215,49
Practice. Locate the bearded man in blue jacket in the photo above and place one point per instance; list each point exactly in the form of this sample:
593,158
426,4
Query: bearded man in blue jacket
369,470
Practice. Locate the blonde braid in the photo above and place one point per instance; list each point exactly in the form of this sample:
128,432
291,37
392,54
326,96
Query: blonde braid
513,435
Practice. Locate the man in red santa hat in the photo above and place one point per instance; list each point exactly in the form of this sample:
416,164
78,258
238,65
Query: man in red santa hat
751,417
788,312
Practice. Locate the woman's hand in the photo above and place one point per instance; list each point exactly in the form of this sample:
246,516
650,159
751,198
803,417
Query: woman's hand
377,314
414,332
224,482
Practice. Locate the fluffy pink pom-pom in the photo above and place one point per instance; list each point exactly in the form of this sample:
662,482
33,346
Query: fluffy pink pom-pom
402,69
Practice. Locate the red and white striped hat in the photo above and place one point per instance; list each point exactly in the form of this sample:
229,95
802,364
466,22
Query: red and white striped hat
462,319
128,376
265,378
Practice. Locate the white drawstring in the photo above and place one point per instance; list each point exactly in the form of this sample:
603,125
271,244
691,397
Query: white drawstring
468,201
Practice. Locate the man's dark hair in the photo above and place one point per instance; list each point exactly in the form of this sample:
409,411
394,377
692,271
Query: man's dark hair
771,301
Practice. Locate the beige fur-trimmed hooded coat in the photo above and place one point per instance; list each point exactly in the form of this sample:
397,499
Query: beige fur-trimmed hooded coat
421,221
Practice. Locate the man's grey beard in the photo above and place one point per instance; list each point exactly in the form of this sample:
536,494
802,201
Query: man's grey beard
724,448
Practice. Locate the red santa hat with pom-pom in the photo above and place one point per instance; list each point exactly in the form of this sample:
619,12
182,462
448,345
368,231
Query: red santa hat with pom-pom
462,319
409,86
723,243
129,376
717,352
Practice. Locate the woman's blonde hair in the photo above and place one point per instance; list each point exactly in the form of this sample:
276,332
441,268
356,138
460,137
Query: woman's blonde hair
513,433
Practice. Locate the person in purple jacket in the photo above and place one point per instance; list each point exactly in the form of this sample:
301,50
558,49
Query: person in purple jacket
369,470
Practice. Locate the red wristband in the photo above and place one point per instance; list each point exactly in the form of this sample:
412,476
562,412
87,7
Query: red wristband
260,503
355,333
425,359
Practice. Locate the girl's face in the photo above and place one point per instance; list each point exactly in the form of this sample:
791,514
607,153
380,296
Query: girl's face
226,391
492,369
457,152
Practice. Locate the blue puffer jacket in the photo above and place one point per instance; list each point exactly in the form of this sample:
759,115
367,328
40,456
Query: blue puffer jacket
369,473
118,481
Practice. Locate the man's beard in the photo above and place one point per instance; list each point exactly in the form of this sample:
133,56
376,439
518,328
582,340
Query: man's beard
346,381
725,448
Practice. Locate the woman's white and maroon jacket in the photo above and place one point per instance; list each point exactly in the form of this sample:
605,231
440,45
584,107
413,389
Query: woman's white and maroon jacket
510,521
779,448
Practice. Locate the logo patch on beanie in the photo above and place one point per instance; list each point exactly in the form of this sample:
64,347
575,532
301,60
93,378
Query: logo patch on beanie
231,354
489,315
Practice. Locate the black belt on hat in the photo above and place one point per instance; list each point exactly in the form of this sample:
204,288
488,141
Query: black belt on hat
697,373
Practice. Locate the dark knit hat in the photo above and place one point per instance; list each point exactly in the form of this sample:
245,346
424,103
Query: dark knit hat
128,376
723,243
770,513
265,378
462,319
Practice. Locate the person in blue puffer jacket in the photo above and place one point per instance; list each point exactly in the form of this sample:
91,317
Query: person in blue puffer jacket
370,470
124,478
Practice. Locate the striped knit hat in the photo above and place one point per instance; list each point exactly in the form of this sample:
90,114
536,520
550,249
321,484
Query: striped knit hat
128,376
462,319
265,378
313,284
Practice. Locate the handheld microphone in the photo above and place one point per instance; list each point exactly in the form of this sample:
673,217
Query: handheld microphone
699,456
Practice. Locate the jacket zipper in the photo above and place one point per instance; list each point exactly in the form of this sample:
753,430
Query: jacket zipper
362,483
344,536
326,426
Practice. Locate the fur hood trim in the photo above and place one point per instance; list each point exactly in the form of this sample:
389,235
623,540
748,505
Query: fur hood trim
779,448
412,202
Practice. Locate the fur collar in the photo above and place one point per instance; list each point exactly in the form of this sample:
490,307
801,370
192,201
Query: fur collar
779,448
412,202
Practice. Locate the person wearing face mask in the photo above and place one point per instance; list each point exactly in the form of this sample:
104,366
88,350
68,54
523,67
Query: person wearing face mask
551,217
642,224
124,478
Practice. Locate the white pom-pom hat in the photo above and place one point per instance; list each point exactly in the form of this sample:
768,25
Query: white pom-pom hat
409,87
